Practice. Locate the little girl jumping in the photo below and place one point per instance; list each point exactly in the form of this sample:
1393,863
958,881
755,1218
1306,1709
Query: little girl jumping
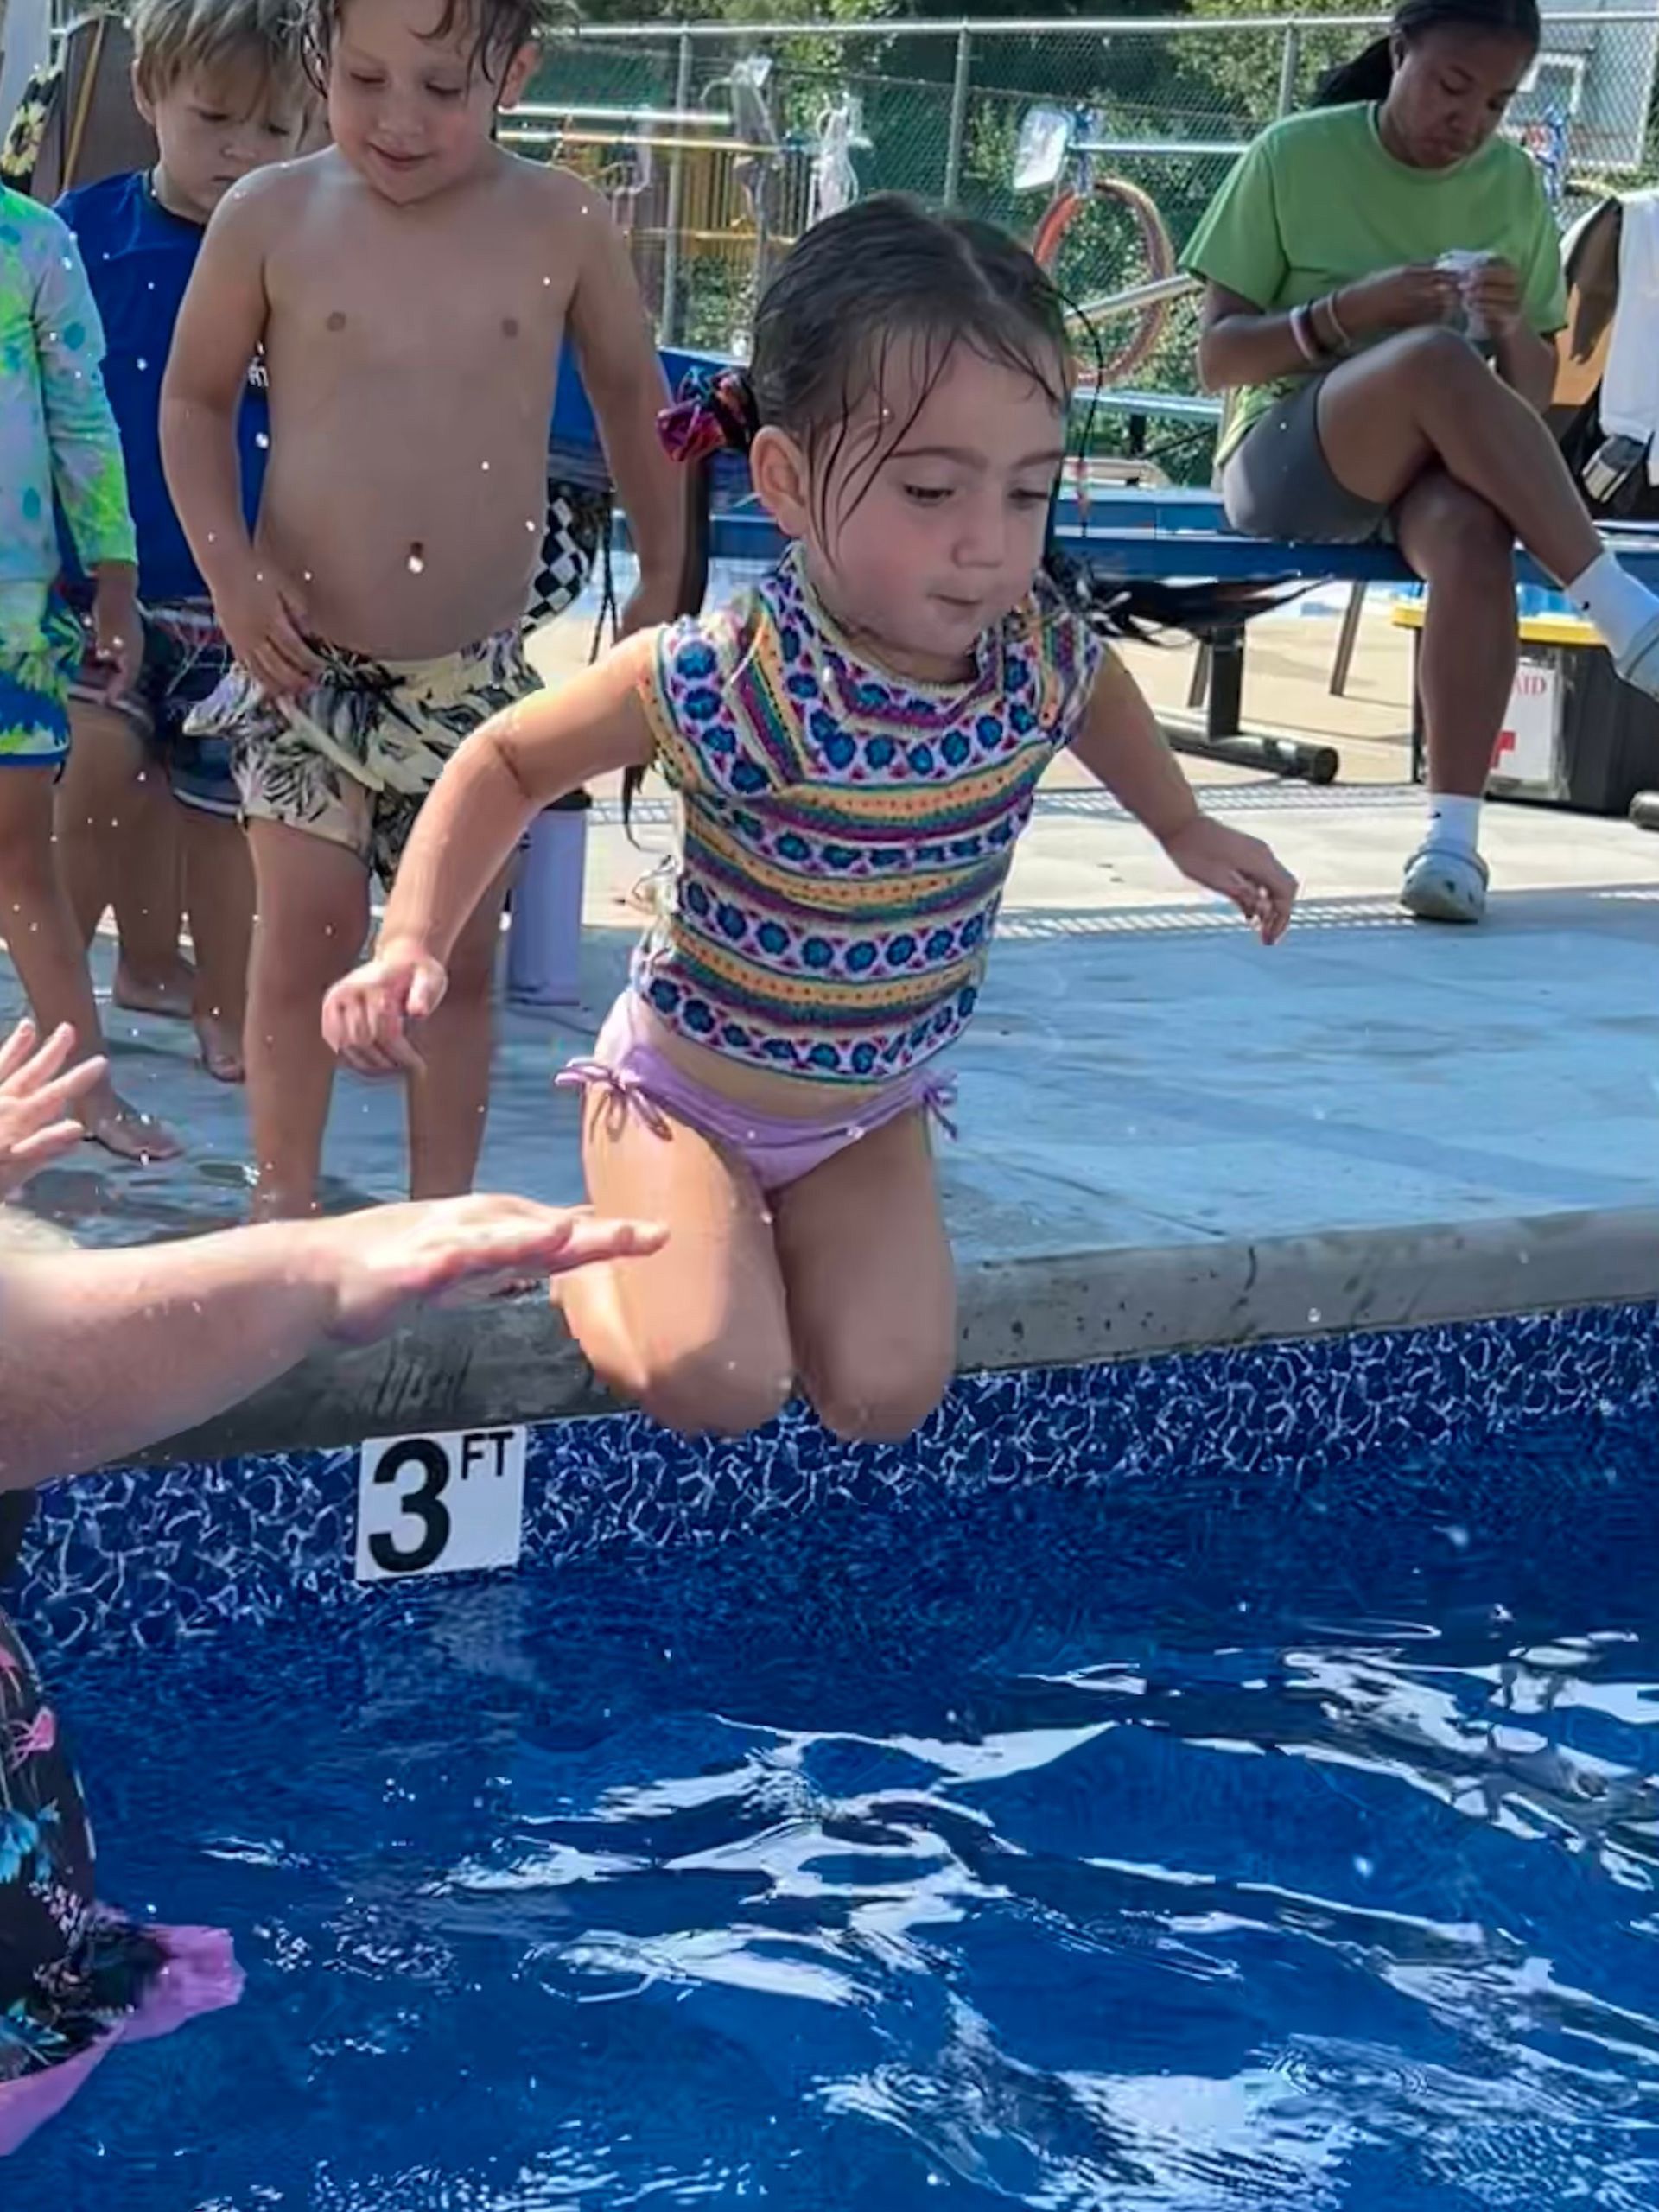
856,743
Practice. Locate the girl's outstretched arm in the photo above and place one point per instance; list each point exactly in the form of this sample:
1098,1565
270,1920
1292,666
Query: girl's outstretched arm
518,762
1119,742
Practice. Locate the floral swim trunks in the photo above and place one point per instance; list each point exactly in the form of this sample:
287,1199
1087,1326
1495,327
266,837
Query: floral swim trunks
40,647
352,759
75,1977
65,1973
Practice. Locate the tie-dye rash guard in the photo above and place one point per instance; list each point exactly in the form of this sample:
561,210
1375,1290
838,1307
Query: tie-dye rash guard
57,433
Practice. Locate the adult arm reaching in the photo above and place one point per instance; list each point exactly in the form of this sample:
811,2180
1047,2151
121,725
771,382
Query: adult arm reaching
105,1353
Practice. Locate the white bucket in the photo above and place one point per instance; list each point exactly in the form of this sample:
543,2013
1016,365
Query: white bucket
544,934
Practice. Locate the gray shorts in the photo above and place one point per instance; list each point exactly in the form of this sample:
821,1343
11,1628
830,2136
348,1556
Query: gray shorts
1277,482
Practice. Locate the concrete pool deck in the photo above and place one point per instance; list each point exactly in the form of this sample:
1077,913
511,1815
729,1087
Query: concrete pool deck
1169,1139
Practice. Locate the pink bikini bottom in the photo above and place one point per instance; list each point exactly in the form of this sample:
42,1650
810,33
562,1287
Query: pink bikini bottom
777,1149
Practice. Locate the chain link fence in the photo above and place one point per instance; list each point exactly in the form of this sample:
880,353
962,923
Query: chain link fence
714,140
717,143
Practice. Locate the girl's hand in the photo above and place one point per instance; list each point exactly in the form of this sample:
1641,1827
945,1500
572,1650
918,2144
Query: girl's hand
365,1016
1241,868
117,633
382,1264
37,1101
1399,299
1494,294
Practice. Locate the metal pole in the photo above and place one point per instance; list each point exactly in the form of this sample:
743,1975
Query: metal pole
1288,69
670,314
958,115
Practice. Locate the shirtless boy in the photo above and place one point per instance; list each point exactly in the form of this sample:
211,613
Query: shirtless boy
411,287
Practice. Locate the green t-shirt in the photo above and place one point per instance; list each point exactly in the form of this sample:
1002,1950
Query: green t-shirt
1318,201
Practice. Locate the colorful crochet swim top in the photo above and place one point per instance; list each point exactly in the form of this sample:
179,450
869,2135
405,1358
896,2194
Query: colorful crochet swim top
846,834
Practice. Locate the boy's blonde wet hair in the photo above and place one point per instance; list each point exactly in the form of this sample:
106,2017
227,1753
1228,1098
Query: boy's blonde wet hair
172,38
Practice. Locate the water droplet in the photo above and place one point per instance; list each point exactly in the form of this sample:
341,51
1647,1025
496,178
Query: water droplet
261,438
1457,1536
1314,1317
485,465
141,364
1365,1867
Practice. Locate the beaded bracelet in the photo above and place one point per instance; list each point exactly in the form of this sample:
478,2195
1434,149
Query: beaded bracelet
1307,344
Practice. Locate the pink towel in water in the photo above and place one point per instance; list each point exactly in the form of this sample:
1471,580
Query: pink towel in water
201,1976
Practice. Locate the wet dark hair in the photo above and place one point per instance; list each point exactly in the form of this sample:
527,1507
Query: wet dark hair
1368,75
875,302
889,281
497,28
889,285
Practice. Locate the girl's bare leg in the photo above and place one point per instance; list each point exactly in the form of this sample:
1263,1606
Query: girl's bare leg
871,1288
1428,400
698,1333
1421,425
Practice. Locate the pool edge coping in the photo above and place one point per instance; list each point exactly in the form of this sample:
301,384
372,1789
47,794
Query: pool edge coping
514,1361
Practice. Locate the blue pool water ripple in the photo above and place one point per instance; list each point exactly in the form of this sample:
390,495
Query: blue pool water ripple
1047,1849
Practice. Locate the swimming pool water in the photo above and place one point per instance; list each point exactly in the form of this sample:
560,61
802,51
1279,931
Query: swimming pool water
1294,1847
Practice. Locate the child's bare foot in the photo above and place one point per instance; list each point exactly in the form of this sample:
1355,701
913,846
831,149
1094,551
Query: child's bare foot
221,1047
120,1128
169,995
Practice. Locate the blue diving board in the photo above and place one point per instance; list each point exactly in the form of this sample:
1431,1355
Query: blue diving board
1182,536
1178,536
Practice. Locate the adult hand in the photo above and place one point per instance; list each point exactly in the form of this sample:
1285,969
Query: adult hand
384,1264
1493,296
365,1016
262,613
1413,298
37,1100
1241,868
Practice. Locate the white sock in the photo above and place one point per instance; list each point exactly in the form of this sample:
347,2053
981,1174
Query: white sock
1620,607
1453,823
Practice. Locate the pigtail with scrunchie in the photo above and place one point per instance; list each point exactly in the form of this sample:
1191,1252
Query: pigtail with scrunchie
714,412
